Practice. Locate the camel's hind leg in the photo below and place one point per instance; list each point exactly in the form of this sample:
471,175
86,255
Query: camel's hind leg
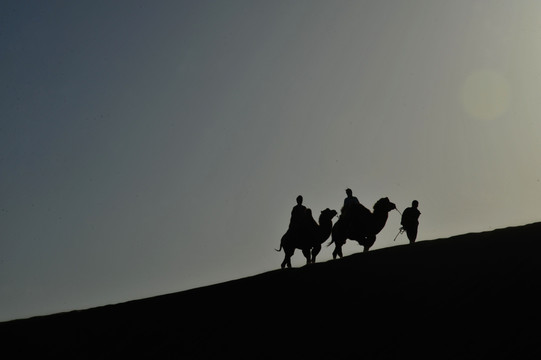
287,258
337,251
306,253
338,243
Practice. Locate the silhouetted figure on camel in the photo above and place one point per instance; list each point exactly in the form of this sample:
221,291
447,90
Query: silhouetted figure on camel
349,202
410,221
305,233
298,215
361,225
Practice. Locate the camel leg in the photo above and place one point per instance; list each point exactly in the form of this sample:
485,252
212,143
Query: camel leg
306,253
287,259
292,251
315,251
284,263
370,240
337,251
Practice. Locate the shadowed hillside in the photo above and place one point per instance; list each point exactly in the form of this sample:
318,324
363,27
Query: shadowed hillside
470,296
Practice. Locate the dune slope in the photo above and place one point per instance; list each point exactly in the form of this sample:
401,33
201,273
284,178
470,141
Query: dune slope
469,296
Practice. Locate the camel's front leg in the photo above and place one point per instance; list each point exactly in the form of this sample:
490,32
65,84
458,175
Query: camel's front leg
367,242
315,251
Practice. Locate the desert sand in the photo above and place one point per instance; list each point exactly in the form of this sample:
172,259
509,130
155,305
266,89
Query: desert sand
469,296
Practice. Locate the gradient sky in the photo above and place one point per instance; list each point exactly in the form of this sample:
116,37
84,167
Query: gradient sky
148,147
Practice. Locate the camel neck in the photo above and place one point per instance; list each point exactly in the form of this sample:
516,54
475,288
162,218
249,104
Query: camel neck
380,219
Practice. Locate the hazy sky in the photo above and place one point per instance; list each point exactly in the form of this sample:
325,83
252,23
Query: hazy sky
155,146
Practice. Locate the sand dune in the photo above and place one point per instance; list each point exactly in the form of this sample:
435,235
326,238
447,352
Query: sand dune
469,296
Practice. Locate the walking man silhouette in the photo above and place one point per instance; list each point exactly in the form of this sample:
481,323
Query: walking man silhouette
410,221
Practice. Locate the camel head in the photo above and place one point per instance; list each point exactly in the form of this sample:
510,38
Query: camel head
327,214
384,205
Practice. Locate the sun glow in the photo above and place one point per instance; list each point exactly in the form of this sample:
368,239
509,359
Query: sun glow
485,95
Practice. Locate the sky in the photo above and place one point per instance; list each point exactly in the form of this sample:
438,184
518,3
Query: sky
149,147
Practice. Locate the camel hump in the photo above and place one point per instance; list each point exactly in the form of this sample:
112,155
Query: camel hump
360,210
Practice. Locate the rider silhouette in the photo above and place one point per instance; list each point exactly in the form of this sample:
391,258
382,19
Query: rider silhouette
349,202
298,215
410,221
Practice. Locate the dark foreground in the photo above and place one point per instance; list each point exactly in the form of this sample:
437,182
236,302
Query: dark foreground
468,297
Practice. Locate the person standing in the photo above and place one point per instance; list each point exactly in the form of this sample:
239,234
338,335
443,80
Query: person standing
410,221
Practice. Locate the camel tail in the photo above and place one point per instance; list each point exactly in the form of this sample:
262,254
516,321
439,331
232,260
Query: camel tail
281,242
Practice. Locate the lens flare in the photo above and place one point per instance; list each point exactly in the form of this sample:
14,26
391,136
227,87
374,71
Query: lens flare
485,95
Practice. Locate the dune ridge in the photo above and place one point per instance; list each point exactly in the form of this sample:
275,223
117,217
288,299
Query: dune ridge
468,296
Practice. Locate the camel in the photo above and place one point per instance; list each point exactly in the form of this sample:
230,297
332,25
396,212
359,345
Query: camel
360,225
307,236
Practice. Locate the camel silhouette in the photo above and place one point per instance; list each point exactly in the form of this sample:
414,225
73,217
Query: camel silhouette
361,225
308,237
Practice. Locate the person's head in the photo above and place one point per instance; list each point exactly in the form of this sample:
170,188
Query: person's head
349,192
299,199
415,203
